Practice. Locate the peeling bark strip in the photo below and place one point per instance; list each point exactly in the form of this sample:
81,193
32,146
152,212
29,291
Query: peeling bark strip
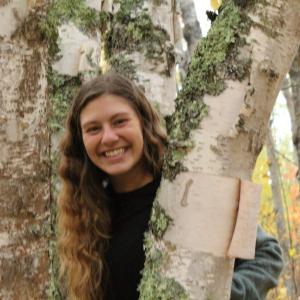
234,77
242,244
220,216
24,159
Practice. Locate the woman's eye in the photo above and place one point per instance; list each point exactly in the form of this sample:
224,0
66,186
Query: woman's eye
119,122
92,129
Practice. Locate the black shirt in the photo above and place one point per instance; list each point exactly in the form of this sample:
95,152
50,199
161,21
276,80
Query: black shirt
125,256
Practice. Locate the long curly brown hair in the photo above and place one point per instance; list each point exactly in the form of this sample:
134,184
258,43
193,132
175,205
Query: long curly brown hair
83,215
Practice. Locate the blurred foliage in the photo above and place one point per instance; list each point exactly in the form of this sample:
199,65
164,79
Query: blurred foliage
290,194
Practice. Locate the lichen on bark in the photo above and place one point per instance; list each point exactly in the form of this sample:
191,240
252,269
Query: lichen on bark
215,60
159,220
76,11
131,29
157,286
62,89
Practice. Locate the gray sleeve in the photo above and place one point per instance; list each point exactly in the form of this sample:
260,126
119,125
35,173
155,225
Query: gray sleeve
252,279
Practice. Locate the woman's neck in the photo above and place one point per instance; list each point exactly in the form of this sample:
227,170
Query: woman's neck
126,183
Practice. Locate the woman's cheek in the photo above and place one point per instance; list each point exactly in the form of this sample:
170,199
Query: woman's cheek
88,143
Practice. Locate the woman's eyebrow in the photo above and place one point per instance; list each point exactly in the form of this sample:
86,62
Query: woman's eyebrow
116,115
120,114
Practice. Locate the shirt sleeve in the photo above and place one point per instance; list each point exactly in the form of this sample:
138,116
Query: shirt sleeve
252,279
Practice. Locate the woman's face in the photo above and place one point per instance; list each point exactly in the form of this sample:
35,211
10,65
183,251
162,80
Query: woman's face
113,137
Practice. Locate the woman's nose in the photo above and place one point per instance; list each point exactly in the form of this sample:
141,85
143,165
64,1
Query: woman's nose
109,135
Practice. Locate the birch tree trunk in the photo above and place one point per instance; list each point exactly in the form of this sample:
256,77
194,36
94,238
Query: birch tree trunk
24,159
199,214
35,64
282,229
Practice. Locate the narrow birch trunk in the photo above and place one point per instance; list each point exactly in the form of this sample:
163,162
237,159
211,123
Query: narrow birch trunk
291,91
24,159
282,230
187,248
191,32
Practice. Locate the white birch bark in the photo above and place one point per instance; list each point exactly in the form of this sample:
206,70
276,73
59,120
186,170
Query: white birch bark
226,146
24,158
156,76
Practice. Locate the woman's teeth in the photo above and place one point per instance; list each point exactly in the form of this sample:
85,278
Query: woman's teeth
114,152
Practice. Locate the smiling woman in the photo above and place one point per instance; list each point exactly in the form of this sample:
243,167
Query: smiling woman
111,161
112,136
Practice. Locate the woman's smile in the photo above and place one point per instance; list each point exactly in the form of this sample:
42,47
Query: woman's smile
114,153
115,156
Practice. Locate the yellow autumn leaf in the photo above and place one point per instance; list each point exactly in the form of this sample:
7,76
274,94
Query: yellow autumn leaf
292,252
215,4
